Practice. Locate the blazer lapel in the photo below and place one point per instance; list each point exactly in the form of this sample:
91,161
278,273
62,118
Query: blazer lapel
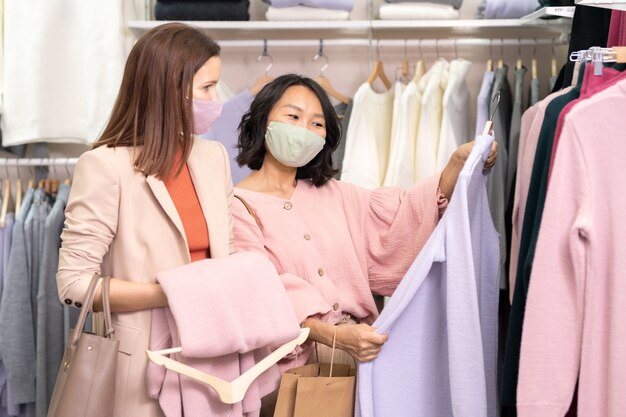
163,197
207,192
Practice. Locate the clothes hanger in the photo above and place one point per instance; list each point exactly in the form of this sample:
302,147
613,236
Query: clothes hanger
501,60
325,82
265,78
490,59
489,125
419,66
519,64
379,71
266,55
405,68
68,179
533,63
228,392
6,196
553,66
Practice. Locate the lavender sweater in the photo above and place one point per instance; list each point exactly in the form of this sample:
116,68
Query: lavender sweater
440,359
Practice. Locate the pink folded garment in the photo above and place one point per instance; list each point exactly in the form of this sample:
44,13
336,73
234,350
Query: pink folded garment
224,313
417,11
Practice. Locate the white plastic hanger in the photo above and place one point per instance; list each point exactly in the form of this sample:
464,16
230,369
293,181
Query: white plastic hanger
229,392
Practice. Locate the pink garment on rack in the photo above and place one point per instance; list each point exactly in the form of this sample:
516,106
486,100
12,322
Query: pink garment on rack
573,324
592,84
529,136
617,29
225,314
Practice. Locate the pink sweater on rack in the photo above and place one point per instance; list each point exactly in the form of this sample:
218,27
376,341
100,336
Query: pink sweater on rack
574,326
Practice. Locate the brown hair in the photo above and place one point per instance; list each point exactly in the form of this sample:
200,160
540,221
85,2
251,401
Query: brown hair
152,111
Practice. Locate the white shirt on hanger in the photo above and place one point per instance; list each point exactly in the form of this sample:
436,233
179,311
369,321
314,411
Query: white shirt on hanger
65,65
367,141
402,149
455,124
430,121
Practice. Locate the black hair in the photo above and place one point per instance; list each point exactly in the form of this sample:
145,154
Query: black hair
253,125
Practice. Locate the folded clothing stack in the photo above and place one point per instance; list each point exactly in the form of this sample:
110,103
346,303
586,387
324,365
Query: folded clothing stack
215,10
419,10
507,9
309,9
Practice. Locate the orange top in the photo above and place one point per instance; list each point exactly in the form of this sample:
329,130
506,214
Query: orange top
187,204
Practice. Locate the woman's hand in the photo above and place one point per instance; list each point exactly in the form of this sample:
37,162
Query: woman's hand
360,341
450,173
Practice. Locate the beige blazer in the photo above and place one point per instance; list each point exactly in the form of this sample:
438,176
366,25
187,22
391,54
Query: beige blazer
122,223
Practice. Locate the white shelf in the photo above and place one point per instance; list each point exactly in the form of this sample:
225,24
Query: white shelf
551,11
527,27
607,4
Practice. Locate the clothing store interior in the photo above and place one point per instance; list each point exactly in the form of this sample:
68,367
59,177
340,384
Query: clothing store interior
312,208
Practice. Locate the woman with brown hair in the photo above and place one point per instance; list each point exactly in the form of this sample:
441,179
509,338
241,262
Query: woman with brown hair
150,196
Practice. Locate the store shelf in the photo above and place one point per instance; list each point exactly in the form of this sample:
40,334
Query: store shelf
528,27
607,4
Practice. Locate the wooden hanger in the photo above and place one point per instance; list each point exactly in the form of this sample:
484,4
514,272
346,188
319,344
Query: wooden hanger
379,72
325,82
494,105
229,392
260,82
620,54
419,71
6,197
519,64
501,60
18,195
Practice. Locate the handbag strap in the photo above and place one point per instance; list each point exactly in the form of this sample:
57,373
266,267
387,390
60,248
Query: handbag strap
87,307
245,203
332,355
106,308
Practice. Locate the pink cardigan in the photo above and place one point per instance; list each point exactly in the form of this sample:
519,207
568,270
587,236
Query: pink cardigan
225,313
336,244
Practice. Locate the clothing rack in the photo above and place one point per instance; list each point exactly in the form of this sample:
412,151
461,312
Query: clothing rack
302,43
37,162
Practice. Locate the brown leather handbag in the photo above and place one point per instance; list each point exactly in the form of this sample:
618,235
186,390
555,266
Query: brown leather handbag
85,384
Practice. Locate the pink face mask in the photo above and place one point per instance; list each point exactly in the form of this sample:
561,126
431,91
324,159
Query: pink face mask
205,113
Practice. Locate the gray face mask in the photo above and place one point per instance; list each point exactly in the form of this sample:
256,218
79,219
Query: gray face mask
291,145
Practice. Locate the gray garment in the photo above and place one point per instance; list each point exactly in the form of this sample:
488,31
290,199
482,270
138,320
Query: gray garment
33,229
483,101
551,83
17,338
496,188
454,3
50,342
6,397
516,122
534,91
346,111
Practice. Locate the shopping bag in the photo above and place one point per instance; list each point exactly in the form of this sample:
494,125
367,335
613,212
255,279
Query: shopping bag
317,390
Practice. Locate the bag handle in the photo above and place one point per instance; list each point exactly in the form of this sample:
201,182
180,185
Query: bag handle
245,203
87,306
332,355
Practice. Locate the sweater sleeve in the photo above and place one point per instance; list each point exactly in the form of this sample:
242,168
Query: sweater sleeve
305,299
551,337
397,225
